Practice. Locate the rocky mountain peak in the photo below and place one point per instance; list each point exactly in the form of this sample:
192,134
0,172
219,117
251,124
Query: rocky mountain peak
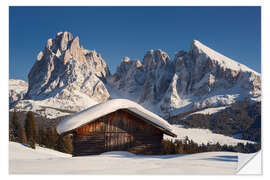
65,39
127,64
76,51
64,46
197,45
68,73
137,63
126,59
155,59
60,42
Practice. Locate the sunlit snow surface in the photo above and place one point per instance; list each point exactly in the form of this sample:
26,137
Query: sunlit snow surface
204,136
23,160
209,110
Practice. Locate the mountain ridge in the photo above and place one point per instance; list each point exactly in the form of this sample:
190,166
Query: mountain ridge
67,76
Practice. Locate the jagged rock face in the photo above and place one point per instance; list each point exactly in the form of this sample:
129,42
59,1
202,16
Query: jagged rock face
206,78
193,80
69,73
146,81
17,90
158,76
129,77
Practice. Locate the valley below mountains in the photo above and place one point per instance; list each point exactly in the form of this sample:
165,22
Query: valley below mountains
66,78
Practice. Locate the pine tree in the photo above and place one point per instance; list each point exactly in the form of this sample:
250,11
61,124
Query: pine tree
37,136
21,134
14,127
30,129
11,132
52,137
40,136
45,138
64,144
218,147
240,147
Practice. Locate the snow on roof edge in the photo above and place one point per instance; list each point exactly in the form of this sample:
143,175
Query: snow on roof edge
92,113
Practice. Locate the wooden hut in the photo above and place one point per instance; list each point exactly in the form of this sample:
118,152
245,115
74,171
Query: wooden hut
116,125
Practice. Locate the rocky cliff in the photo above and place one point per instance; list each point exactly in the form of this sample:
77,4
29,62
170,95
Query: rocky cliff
196,79
65,76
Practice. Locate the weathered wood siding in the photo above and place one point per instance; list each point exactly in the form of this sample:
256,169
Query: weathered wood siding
120,130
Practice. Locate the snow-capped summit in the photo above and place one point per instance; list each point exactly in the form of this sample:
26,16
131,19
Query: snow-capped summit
199,48
66,76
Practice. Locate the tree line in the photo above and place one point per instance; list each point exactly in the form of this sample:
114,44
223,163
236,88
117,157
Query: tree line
30,134
187,146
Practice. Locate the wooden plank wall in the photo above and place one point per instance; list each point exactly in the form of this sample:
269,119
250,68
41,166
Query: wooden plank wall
119,130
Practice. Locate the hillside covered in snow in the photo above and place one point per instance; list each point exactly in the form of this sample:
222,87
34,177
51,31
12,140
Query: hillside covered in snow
17,90
204,136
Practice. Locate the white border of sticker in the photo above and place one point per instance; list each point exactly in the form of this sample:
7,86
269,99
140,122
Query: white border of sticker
4,45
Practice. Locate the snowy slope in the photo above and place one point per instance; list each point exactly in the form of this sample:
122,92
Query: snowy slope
54,107
204,136
207,111
19,151
23,160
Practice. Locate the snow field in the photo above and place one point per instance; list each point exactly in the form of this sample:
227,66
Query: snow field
23,160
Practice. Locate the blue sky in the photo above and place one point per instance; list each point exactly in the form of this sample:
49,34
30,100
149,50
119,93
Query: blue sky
116,32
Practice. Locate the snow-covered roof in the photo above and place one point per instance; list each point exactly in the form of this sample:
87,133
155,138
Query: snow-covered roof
94,112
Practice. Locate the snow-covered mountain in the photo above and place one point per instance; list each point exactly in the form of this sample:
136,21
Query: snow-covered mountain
17,90
193,80
67,78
